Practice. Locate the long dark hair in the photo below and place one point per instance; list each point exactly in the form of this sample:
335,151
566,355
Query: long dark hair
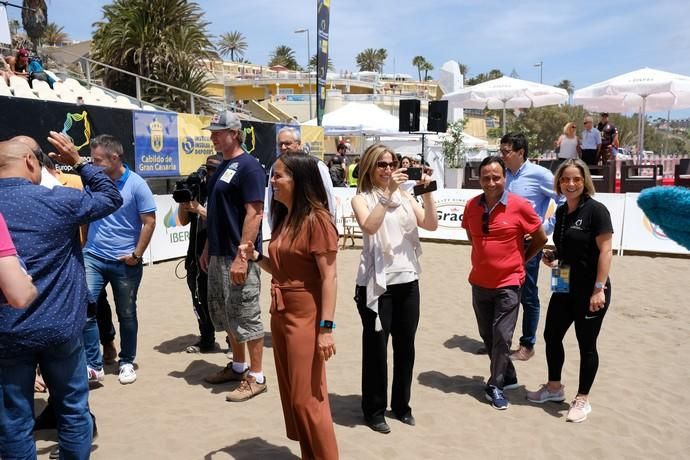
309,194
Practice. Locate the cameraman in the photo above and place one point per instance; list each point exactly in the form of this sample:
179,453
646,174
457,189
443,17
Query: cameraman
194,212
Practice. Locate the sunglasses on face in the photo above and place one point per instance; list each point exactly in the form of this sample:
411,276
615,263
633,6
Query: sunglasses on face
574,180
385,164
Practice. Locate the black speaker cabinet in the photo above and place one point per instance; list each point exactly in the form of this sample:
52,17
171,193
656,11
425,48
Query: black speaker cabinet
438,116
408,118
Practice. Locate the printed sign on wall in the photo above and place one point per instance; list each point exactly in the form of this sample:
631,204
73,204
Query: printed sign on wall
155,144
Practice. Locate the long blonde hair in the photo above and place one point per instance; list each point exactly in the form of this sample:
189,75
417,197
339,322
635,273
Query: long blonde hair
367,166
567,127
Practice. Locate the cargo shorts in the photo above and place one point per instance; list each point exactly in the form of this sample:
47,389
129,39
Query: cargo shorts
234,308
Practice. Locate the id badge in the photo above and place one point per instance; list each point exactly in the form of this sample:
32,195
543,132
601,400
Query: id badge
560,279
228,175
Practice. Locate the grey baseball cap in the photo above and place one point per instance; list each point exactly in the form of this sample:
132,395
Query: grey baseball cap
225,119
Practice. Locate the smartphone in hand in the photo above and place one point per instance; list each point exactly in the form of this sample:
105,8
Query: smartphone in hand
421,189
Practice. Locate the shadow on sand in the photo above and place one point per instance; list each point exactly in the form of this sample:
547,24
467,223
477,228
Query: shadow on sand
466,344
254,448
346,409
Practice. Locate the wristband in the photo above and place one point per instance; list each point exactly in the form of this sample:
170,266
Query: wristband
327,324
598,285
136,256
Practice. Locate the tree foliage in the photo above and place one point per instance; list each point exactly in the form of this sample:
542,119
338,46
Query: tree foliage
164,40
54,35
232,43
372,59
312,63
418,62
34,20
285,56
482,77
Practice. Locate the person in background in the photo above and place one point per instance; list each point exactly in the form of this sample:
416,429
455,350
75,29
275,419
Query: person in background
609,138
568,144
337,172
19,64
302,262
16,288
534,183
496,223
591,142
583,238
194,213
387,292
353,173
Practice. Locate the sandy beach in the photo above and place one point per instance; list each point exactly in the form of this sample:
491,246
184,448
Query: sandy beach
641,408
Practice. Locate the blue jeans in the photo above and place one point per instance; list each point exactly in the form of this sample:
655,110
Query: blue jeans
530,302
124,280
64,371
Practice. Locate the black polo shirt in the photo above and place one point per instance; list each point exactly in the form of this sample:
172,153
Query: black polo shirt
575,238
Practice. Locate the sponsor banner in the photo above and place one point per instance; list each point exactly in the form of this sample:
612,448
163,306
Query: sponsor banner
313,140
36,118
322,25
194,143
155,144
260,141
170,239
642,235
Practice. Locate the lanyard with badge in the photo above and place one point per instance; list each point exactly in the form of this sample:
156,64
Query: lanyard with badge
560,275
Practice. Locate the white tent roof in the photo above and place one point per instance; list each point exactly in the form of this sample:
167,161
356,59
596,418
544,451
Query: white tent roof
358,118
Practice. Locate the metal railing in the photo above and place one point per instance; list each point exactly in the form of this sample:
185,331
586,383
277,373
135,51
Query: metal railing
87,67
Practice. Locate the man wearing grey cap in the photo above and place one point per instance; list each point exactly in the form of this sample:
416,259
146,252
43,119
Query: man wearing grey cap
235,209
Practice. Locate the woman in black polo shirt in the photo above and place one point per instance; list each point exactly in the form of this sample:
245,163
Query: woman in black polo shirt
580,284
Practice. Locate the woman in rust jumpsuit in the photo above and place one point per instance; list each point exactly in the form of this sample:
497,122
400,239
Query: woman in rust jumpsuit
301,259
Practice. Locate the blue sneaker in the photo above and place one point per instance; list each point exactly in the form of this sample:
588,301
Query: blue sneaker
497,398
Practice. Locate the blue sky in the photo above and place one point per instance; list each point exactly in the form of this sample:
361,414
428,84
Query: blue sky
585,42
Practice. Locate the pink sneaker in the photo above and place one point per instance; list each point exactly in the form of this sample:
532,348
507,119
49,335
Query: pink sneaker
579,409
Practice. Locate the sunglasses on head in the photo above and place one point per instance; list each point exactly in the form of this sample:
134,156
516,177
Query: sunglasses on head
385,164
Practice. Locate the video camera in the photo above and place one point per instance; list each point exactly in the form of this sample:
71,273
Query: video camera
189,189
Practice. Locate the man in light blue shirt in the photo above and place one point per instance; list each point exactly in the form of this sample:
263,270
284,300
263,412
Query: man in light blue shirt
113,255
535,183
591,142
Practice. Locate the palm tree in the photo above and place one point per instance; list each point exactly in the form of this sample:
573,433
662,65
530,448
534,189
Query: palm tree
418,62
34,20
285,56
464,70
54,35
568,86
232,43
426,68
371,59
312,63
124,38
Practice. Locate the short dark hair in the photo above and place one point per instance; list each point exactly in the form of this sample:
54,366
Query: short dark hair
492,159
109,143
517,141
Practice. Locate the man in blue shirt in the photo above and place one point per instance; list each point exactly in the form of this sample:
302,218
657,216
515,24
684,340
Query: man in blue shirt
591,142
535,183
235,210
114,248
44,225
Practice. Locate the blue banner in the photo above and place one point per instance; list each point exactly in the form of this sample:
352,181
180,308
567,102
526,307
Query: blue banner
156,144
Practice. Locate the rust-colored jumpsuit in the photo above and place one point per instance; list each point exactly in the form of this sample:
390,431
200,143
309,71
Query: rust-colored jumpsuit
295,316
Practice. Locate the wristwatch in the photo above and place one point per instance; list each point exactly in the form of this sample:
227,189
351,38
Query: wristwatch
81,162
136,257
598,285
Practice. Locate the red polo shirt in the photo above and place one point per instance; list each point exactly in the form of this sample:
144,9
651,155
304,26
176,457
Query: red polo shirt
498,258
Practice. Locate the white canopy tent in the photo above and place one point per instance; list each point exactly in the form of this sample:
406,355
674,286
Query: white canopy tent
506,93
641,91
358,118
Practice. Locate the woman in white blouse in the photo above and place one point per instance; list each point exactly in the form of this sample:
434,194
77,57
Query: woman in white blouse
568,144
387,281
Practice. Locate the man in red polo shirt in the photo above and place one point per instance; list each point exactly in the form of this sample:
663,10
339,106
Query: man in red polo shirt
496,223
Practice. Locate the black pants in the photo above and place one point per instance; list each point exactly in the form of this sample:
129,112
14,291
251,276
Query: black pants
104,317
497,312
399,315
564,310
197,280
590,156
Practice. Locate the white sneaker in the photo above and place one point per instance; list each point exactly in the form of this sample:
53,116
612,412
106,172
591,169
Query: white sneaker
543,394
127,374
95,375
